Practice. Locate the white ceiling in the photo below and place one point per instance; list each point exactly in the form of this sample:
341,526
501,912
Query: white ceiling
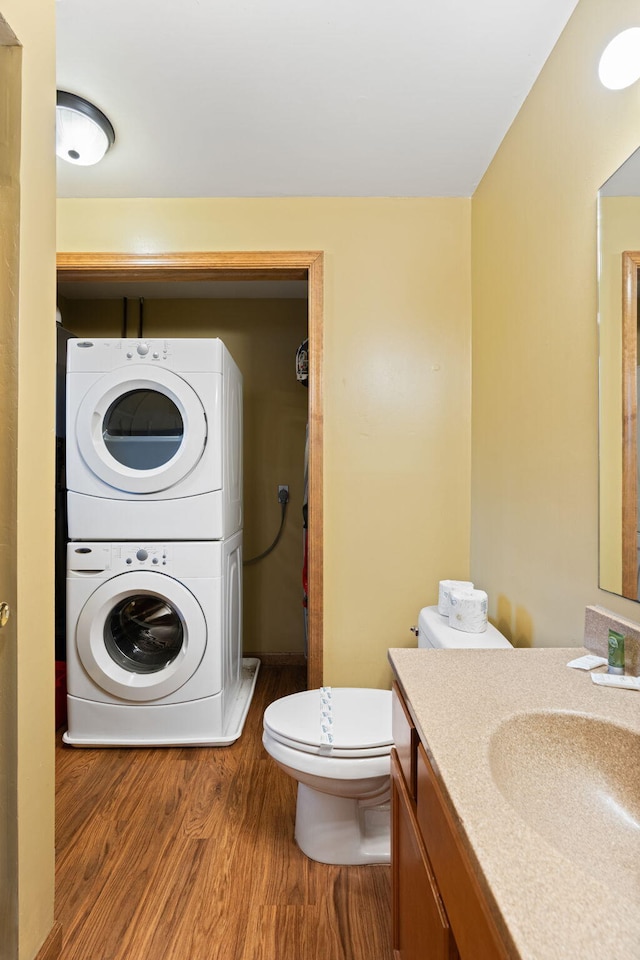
249,98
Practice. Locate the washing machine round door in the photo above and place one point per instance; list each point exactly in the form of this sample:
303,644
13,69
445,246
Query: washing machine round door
141,431
141,635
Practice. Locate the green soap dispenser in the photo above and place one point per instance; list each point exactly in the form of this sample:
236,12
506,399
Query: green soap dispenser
616,652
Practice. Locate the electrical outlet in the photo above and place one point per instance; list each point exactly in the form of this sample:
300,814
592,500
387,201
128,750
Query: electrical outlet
283,493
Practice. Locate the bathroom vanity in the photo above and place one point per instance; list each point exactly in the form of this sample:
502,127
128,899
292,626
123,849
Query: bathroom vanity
430,865
516,805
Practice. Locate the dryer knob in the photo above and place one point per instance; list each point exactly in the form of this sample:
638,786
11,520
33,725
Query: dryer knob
142,555
143,349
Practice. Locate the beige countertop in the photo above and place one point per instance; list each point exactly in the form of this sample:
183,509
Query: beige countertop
547,869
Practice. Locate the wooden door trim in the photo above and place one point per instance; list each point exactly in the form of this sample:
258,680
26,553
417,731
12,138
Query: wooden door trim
234,265
242,265
630,267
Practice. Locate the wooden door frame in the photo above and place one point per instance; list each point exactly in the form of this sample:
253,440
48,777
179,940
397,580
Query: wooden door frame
11,705
261,265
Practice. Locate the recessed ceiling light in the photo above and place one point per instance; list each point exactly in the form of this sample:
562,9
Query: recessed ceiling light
620,63
83,133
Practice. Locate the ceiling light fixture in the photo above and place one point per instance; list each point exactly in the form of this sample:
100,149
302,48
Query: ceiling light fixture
620,63
83,133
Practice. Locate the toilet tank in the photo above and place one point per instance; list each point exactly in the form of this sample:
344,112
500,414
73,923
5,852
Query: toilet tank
434,631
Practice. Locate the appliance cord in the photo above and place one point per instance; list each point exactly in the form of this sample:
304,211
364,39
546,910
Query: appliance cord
265,553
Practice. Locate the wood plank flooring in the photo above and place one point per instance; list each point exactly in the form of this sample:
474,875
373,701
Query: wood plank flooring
188,854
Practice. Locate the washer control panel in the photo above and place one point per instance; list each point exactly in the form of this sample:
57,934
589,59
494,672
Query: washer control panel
147,556
92,559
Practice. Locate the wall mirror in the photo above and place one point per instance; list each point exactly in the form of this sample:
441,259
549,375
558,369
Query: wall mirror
618,318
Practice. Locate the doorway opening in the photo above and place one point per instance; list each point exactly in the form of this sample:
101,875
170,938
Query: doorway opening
122,268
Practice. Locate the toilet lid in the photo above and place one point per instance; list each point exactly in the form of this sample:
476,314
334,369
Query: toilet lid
361,722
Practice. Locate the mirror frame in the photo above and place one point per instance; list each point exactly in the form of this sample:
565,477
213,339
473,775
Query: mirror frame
630,267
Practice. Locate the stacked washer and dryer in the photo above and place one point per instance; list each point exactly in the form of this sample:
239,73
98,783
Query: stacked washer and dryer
154,562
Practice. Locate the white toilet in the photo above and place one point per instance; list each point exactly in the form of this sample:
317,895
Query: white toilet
343,807
337,746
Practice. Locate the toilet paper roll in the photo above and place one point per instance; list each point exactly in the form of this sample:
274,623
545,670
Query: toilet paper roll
468,611
444,593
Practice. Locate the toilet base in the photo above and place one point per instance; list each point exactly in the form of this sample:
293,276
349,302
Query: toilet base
341,830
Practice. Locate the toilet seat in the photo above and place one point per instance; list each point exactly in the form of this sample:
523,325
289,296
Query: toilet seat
361,723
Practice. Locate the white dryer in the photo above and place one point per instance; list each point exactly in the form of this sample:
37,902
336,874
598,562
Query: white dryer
154,440
154,644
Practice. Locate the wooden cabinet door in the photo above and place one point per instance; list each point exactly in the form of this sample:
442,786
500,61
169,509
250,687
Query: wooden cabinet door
475,930
420,926
405,739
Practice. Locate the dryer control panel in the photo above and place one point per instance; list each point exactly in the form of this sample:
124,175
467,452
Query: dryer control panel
183,355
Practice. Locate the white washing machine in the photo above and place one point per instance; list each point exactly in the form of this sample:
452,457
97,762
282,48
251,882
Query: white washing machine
154,644
154,440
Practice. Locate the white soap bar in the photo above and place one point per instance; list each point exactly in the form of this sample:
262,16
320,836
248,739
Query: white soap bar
611,680
588,662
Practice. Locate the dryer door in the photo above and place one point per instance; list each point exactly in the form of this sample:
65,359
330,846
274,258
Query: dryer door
141,431
141,635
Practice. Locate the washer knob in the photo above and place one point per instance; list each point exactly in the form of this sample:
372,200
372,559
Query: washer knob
143,349
142,555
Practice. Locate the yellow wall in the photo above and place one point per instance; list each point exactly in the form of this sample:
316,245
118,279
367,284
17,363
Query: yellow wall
619,231
397,387
33,23
534,539
262,336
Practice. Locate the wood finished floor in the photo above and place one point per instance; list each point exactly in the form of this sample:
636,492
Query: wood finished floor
188,854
